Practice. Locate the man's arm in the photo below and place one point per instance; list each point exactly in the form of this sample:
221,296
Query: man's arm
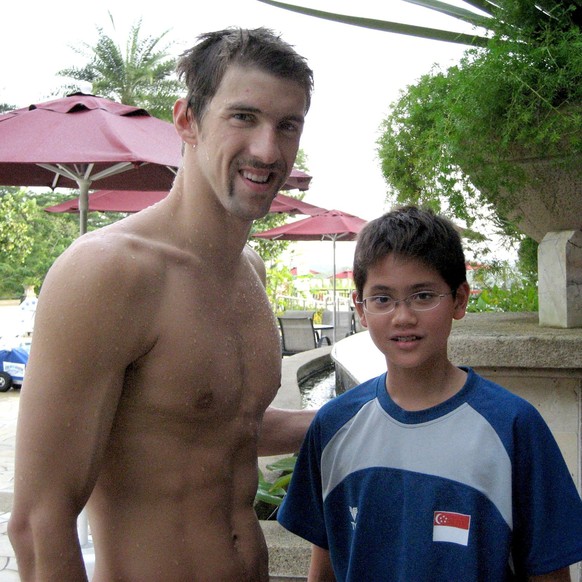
73,383
562,575
283,431
320,569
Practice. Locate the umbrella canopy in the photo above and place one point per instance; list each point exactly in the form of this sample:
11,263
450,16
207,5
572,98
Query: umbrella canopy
333,225
135,200
287,204
347,274
112,201
297,180
81,139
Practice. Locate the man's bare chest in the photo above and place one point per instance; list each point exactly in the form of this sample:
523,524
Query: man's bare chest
217,354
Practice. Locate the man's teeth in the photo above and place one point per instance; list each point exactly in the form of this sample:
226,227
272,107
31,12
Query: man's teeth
408,338
255,177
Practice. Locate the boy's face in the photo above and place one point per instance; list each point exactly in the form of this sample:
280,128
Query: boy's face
408,338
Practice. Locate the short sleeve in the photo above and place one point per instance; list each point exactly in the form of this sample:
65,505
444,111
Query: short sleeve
302,509
547,506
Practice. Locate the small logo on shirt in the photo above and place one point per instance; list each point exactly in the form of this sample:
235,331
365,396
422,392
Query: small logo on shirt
354,514
448,526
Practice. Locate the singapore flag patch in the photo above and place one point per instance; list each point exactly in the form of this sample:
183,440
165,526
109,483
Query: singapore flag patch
451,527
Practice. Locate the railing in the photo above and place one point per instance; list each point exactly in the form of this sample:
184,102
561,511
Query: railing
290,302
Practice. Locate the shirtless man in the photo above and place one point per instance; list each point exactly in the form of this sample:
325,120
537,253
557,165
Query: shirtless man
156,354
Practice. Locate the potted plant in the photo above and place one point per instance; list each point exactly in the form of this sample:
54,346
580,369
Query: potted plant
502,130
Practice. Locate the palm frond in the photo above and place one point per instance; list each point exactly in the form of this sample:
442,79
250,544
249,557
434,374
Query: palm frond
399,27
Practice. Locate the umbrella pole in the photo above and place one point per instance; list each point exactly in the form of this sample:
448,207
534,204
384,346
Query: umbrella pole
83,205
334,290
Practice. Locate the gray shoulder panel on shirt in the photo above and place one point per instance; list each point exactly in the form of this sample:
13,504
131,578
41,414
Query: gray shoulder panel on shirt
461,446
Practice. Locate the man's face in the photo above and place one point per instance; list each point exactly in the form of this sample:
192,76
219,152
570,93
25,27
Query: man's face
248,139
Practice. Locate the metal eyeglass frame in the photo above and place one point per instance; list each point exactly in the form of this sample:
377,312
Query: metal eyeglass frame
407,300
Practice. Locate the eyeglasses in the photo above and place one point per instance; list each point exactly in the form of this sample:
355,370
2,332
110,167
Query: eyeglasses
420,301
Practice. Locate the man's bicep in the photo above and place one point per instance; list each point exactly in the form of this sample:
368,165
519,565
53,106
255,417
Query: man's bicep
72,385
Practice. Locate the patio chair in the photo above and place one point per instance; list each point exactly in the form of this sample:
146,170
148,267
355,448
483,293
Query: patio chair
345,323
298,313
298,335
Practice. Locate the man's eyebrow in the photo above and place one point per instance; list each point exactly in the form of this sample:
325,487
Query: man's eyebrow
241,106
296,118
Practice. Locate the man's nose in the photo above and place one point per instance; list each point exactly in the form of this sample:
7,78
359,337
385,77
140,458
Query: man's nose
265,145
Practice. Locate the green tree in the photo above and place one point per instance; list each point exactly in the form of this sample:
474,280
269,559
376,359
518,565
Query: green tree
142,75
531,65
30,238
16,234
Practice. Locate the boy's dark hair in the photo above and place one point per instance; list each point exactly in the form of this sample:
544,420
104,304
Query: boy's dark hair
414,233
203,66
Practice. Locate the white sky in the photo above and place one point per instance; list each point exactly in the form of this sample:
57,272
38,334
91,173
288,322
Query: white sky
358,72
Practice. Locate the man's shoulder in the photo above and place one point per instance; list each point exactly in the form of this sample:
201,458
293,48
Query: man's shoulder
117,243
254,259
109,263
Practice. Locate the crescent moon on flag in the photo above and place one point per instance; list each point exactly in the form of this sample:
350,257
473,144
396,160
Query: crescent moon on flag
440,519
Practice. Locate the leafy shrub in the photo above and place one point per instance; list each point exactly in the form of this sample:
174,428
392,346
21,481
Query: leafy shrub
270,494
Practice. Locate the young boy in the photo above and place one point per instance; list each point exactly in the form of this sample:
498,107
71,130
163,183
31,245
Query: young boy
429,472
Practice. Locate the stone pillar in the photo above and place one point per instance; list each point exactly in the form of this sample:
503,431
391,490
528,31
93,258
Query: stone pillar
560,279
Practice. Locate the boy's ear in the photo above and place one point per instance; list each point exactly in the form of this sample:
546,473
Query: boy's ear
185,123
461,300
359,309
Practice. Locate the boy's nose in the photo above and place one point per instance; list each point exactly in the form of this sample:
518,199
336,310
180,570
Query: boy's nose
403,312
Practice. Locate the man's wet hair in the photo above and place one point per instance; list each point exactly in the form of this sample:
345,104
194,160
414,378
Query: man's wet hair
202,67
409,232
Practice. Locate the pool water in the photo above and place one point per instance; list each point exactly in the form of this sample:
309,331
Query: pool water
318,389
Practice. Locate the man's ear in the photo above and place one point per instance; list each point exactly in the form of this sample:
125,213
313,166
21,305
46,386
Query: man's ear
359,309
461,300
185,123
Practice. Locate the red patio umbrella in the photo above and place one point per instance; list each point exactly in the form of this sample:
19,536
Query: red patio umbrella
297,180
135,200
81,139
347,274
333,225
112,201
287,204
